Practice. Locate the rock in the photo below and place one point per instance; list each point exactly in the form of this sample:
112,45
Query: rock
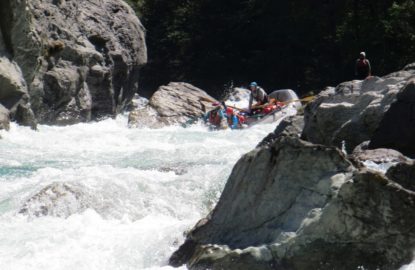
137,103
351,113
14,95
409,67
379,160
175,103
397,128
80,59
4,118
58,200
380,155
403,174
297,205
291,126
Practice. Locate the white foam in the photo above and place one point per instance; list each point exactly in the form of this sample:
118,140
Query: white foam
143,189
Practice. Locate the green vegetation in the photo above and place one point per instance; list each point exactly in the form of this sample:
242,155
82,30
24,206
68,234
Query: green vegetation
298,44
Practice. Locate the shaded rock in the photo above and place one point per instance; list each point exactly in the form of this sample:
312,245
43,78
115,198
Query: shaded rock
403,174
291,126
397,128
4,118
137,103
80,59
296,205
14,95
175,103
57,199
352,112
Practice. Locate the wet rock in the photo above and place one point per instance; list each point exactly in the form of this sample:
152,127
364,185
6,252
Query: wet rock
80,59
58,200
14,95
291,126
297,205
403,174
4,118
352,112
397,128
175,103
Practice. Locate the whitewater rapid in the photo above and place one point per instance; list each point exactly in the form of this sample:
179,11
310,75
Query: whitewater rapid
144,189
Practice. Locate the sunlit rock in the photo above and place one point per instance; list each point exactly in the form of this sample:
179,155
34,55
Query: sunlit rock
297,205
80,59
175,103
351,113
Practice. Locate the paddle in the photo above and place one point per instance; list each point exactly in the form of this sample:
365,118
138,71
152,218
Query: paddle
306,99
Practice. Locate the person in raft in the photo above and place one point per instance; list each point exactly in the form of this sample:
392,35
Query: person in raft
257,93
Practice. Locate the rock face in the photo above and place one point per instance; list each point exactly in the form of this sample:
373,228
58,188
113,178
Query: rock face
79,60
397,129
352,111
297,205
175,103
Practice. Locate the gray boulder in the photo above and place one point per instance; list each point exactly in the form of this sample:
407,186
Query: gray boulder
297,205
80,59
175,103
13,93
397,128
352,111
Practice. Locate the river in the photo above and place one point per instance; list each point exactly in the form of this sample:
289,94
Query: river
142,189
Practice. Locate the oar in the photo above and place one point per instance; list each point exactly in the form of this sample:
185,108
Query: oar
216,101
306,99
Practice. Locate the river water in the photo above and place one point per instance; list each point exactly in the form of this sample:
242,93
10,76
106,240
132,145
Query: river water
143,189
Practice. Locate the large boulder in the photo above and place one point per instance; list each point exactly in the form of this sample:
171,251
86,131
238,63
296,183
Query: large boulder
397,128
297,205
350,113
175,103
80,59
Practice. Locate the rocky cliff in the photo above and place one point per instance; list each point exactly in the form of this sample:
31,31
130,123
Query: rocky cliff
63,62
299,201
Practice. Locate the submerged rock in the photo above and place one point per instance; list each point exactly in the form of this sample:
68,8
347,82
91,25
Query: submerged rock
297,205
352,111
175,103
397,128
58,200
80,59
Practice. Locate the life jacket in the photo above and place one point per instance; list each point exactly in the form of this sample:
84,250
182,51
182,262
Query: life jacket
269,108
241,119
214,117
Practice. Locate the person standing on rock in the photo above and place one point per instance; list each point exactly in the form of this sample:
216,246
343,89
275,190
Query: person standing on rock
363,68
258,94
